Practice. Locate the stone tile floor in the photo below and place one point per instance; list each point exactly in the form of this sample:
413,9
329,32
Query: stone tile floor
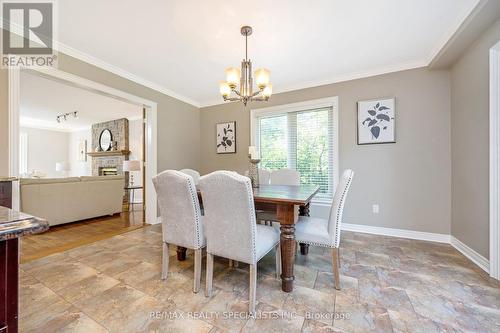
388,285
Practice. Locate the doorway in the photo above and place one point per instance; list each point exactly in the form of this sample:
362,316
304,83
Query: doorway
146,126
495,161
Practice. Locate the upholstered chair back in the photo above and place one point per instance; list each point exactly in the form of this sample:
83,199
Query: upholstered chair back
179,209
193,173
338,206
229,215
285,177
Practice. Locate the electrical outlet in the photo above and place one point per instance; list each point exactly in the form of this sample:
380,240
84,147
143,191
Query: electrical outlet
375,208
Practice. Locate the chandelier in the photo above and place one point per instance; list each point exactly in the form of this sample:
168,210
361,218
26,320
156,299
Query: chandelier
234,76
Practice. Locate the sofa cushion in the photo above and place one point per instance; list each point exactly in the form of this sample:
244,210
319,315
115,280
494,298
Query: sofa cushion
100,178
37,181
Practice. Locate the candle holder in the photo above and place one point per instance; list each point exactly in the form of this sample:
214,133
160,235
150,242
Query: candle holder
253,172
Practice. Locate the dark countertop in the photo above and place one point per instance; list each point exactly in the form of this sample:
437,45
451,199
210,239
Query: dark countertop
7,179
14,224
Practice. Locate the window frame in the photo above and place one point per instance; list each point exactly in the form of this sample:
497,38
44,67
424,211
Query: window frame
329,102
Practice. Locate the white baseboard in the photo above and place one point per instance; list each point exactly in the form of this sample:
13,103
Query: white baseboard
403,233
157,221
472,255
475,257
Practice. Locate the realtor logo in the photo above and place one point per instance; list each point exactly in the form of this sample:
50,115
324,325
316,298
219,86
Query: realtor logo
28,34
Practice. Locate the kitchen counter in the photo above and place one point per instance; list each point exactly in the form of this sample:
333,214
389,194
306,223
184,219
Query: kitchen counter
7,179
14,224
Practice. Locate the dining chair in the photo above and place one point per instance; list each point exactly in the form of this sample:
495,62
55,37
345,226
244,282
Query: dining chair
193,173
231,228
323,232
279,177
285,177
264,176
182,223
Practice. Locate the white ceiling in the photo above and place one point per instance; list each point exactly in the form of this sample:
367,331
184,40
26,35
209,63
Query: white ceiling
42,100
183,46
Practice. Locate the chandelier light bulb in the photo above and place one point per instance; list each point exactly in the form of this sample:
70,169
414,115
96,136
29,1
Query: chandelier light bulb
224,89
268,91
233,76
75,114
262,78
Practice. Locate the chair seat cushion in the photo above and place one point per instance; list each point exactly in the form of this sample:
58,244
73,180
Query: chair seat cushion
313,230
266,238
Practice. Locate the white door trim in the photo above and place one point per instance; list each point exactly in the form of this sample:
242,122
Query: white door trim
151,124
495,161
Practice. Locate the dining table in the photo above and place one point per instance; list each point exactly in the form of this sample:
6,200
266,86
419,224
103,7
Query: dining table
284,200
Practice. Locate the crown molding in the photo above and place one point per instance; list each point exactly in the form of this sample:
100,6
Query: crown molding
479,20
82,56
85,57
460,20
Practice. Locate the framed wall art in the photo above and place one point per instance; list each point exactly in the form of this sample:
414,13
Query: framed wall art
376,121
226,137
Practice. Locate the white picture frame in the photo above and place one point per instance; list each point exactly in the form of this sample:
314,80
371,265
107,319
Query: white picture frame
226,137
377,121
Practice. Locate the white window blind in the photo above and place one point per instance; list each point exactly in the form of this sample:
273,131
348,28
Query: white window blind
23,153
301,140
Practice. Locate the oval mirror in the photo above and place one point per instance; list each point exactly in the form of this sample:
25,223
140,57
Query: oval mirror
105,140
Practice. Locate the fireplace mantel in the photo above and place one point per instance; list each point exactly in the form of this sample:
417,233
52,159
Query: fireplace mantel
109,153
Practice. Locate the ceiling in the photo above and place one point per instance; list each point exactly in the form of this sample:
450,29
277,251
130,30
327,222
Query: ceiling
42,100
181,47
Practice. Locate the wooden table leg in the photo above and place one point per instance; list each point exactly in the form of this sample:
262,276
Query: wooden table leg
181,253
304,211
285,213
304,248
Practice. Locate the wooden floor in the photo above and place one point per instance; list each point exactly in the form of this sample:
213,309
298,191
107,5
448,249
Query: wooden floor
68,236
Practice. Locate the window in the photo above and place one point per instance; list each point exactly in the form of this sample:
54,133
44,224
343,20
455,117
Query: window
23,153
303,137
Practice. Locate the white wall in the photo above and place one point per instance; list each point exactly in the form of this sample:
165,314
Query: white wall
79,168
45,149
135,146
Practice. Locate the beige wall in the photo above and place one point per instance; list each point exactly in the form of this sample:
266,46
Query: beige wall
410,180
178,122
470,143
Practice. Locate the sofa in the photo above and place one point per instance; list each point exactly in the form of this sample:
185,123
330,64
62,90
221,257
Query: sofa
70,199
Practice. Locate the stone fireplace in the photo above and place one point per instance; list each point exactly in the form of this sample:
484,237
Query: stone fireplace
103,162
107,163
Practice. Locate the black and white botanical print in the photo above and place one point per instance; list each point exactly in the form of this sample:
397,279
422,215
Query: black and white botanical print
376,123
226,137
